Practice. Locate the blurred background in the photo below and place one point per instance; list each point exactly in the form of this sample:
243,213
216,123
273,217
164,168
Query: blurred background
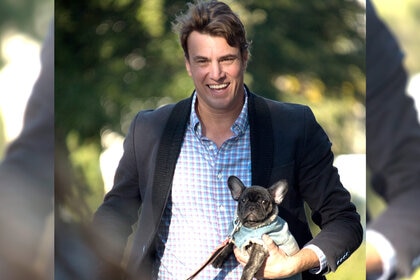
114,58
23,26
26,150
403,19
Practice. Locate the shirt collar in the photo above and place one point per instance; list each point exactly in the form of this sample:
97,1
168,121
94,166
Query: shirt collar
239,126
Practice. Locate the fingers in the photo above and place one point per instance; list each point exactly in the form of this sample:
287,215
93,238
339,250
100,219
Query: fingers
241,258
269,243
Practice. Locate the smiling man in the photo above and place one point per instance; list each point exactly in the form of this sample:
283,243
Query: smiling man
217,70
177,160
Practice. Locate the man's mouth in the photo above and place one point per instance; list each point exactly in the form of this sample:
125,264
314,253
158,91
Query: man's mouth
218,86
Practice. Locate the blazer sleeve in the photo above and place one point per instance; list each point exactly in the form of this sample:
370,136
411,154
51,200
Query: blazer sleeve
113,220
393,144
319,184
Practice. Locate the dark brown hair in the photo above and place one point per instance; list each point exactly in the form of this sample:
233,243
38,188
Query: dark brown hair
213,18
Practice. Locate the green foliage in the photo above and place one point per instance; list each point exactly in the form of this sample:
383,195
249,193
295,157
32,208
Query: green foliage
318,39
84,158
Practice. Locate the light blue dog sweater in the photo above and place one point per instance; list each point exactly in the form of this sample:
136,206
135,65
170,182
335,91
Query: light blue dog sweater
278,230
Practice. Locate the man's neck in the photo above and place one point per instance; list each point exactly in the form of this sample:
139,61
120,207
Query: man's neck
216,125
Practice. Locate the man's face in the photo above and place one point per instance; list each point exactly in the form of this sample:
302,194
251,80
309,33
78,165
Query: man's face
217,70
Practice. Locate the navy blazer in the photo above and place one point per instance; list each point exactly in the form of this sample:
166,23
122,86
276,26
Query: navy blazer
286,143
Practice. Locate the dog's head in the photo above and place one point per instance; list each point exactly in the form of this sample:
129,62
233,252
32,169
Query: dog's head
256,205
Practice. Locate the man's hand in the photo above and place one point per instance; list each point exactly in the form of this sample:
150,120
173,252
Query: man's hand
278,264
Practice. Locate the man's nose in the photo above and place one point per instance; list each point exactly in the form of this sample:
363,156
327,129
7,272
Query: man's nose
216,71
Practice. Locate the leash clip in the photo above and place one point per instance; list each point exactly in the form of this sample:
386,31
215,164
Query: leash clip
236,226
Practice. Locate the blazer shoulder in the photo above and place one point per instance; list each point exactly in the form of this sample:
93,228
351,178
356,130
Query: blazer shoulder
290,113
150,124
286,107
160,115
154,115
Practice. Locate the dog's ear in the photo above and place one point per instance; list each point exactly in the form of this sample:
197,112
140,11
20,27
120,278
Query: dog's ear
236,187
278,191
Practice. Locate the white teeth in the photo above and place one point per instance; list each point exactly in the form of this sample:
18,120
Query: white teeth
218,86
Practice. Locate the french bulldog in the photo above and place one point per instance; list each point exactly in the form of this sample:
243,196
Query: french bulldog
257,214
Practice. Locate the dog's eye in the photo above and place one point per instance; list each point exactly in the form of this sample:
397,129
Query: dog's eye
263,201
243,200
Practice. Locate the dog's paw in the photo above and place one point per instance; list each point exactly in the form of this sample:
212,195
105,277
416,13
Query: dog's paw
218,262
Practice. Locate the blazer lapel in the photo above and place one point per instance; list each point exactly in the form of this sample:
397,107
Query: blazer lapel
262,142
140,263
168,152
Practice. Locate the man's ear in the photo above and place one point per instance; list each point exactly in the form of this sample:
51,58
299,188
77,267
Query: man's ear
187,65
278,191
245,58
236,187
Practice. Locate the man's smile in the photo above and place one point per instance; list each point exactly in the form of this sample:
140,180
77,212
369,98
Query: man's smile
218,86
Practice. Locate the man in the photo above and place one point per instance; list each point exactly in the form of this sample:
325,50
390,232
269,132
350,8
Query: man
177,160
393,154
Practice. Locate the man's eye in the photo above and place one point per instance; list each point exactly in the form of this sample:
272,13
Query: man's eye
227,60
201,61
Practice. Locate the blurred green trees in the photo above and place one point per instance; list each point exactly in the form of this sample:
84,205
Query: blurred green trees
116,57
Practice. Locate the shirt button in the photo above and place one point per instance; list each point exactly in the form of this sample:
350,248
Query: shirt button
219,175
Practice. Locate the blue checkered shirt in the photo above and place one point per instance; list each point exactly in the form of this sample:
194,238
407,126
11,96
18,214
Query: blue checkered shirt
200,209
